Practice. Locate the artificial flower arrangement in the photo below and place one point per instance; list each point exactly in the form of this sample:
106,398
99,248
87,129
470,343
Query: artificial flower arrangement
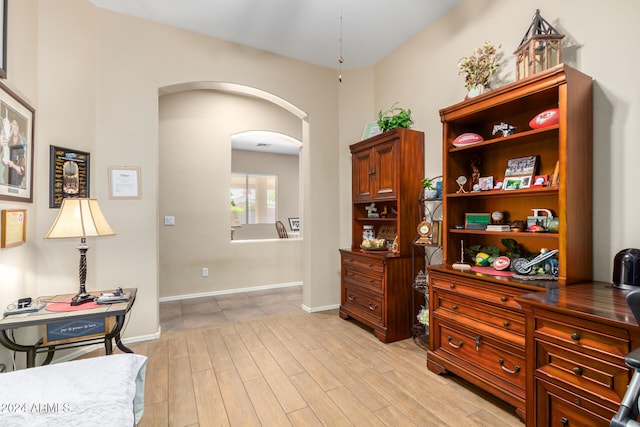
478,68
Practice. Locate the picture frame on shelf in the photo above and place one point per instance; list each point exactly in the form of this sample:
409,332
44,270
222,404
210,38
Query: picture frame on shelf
513,183
16,147
371,129
486,183
68,174
14,227
521,166
294,224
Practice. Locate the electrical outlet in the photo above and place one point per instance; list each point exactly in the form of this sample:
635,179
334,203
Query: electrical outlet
169,220
205,272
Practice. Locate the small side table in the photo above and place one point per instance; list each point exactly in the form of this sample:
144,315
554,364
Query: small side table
118,311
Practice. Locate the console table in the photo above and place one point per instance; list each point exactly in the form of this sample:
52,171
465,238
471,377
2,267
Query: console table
576,340
46,319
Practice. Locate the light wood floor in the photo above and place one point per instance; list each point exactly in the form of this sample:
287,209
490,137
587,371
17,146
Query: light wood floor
301,369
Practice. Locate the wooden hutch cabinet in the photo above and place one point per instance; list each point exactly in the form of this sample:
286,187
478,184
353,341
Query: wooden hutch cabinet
376,286
477,329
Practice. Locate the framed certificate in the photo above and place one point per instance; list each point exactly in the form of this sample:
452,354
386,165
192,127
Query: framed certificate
124,182
14,227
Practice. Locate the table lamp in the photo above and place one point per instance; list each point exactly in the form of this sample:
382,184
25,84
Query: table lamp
80,218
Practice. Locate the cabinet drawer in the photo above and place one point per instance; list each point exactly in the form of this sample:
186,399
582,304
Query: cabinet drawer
501,296
482,355
370,283
598,340
606,382
363,264
453,306
564,409
362,303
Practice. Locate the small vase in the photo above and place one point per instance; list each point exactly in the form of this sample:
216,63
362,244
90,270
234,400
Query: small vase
475,91
430,194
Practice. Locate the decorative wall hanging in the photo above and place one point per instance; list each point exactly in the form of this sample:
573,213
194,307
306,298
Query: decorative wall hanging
16,147
68,175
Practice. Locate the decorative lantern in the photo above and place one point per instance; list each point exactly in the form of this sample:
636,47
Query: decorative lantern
540,48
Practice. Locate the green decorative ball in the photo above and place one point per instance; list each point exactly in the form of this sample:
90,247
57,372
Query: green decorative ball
483,259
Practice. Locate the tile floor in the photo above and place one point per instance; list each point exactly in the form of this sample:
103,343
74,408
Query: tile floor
206,311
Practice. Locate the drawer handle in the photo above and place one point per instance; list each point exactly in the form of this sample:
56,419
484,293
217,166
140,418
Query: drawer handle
373,307
452,286
507,370
452,344
454,307
564,421
503,299
351,297
577,370
505,324
350,260
575,336
370,265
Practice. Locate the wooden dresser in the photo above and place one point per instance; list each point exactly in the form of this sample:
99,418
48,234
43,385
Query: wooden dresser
576,339
478,331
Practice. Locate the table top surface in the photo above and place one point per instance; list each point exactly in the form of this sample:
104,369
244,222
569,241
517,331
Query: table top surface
43,316
592,300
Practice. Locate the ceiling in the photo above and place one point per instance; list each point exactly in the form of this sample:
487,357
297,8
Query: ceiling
308,30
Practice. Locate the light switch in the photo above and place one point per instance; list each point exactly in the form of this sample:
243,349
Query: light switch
169,220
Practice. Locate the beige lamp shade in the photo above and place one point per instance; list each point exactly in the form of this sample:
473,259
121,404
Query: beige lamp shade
79,218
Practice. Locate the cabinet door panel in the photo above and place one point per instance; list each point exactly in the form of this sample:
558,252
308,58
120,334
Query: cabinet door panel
385,171
362,170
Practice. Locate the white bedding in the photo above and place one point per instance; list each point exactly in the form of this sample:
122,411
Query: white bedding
100,391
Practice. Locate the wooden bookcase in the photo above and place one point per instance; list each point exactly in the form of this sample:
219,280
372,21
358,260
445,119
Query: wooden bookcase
387,170
568,143
477,329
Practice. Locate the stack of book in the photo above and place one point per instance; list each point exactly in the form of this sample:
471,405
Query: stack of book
498,227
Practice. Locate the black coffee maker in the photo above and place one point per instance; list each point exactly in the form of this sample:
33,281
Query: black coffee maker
626,269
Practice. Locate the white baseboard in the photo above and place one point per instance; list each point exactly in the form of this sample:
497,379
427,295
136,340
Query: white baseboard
317,309
230,291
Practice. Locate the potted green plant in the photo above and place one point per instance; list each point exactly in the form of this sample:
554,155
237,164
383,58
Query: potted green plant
478,68
430,191
394,117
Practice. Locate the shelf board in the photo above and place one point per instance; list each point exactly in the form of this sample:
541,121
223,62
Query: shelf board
535,191
519,137
367,219
525,234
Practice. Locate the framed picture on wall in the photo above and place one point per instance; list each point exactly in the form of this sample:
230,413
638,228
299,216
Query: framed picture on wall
68,175
3,42
16,147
